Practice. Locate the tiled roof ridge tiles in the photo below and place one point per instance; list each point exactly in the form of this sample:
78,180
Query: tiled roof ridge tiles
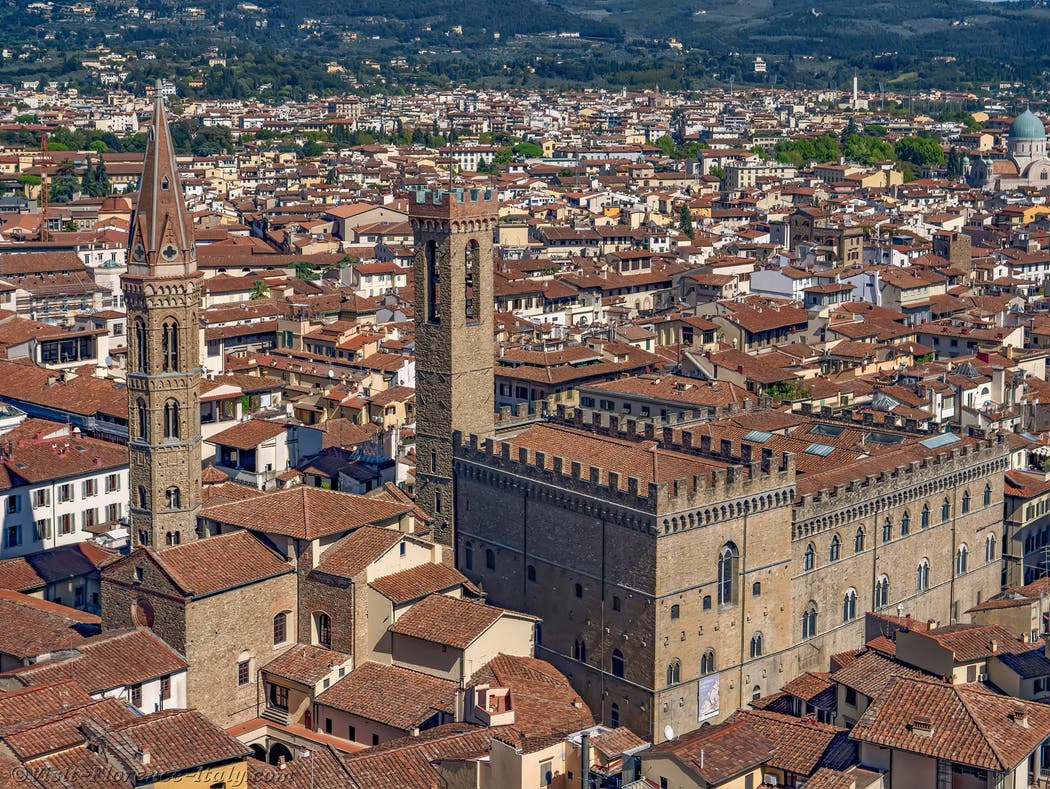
756,480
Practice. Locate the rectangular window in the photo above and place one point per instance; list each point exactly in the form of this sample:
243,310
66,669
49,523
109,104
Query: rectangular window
65,492
41,497
112,512
375,739
136,695
14,504
243,672
88,518
65,524
90,487
165,688
851,697
112,483
546,772
351,733
43,529
279,697
327,725
13,535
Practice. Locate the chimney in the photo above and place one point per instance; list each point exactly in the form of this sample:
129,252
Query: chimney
993,647
143,755
922,726
1020,715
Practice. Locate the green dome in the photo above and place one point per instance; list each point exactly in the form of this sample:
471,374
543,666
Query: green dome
1027,126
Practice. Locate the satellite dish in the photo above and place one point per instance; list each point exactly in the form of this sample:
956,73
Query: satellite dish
109,361
331,373
668,732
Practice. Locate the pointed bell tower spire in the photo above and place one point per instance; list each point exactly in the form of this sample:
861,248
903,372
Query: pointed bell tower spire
161,241
162,292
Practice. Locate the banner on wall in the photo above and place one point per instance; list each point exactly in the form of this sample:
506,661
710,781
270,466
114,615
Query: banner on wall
707,697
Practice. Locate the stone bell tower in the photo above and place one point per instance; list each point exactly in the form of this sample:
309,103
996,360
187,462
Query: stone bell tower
162,290
453,232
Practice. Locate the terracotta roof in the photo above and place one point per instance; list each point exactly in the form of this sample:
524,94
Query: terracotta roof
36,570
305,663
871,672
305,512
247,435
62,729
391,695
968,723
114,659
418,582
407,763
210,565
717,753
974,642
165,736
32,627
800,746
446,620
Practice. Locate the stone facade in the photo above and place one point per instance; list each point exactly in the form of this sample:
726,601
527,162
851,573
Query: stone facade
701,584
162,291
214,632
453,233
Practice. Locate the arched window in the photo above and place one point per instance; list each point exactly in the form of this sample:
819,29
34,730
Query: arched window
756,589
809,621
614,716
922,575
835,550
171,419
280,628
882,592
169,539
143,498
140,346
472,282
756,645
433,281
756,693
887,530
323,629
989,548
925,520
172,498
675,611
490,559
727,574
849,605
858,540
905,523
530,573
961,556
707,662
946,510
808,558
617,663
142,419
468,556
169,346
987,495
579,650
674,672
965,502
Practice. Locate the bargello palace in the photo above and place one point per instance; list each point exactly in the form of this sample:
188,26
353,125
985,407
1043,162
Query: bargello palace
681,569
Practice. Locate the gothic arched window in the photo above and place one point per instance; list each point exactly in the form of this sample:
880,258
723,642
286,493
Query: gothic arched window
171,419
169,346
173,498
882,592
140,346
142,420
727,574
849,605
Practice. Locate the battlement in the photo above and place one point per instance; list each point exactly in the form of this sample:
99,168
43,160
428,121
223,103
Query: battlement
965,458
764,483
865,419
453,204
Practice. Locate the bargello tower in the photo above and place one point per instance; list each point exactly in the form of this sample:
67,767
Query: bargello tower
453,232
162,293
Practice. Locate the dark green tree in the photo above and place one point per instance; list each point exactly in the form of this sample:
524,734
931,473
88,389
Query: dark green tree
685,221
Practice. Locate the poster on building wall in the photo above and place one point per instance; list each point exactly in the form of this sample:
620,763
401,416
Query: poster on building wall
707,697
